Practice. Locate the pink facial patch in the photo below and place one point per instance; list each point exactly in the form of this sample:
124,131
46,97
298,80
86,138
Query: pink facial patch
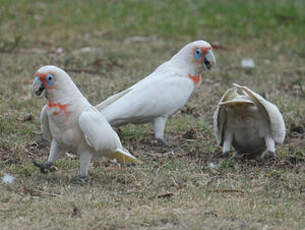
204,51
42,77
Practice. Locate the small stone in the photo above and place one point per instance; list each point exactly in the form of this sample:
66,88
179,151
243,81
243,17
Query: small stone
248,63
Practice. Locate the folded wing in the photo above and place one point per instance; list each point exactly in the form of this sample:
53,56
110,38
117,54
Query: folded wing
271,114
220,115
100,136
148,100
44,124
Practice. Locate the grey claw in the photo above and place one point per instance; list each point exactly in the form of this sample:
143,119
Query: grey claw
80,178
162,142
273,154
225,155
222,155
44,168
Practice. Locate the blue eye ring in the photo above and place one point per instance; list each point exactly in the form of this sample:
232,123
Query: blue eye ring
197,53
50,79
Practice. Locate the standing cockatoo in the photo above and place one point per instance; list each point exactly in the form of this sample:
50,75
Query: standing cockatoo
248,122
163,92
72,124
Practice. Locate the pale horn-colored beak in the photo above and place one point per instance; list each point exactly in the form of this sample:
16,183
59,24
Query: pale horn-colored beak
38,88
209,60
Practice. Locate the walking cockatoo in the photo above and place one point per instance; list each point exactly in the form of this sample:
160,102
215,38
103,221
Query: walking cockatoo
163,92
72,124
248,122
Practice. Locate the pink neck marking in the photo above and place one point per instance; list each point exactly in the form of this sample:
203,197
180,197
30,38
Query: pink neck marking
194,78
62,107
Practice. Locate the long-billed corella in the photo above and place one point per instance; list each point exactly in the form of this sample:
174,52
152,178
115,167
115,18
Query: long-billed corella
72,124
163,92
248,122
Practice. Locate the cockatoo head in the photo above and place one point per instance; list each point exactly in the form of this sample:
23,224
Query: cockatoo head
197,56
50,80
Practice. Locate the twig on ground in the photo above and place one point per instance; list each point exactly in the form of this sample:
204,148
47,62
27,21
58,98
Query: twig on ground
301,87
226,191
32,192
165,195
82,70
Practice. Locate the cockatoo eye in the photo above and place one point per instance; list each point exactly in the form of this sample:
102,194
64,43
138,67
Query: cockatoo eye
50,79
197,53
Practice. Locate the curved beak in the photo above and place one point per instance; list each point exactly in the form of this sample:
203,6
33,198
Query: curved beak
209,60
37,87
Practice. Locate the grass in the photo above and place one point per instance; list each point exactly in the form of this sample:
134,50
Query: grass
165,192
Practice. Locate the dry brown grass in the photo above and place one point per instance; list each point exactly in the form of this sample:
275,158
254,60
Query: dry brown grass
165,192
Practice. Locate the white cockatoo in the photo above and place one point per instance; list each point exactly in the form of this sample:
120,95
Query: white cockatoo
72,124
163,92
248,122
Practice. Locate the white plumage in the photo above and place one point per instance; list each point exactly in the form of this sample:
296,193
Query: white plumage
72,124
163,92
248,122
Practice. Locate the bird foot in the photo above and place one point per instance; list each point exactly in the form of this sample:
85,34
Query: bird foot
80,179
272,155
162,143
45,167
225,155
221,154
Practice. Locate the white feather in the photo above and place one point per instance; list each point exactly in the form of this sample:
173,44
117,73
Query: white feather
8,179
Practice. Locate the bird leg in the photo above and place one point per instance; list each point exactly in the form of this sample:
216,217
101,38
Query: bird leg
227,144
84,158
270,145
47,167
53,152
159,126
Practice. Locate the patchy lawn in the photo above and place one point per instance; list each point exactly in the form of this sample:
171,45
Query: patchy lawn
94,41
